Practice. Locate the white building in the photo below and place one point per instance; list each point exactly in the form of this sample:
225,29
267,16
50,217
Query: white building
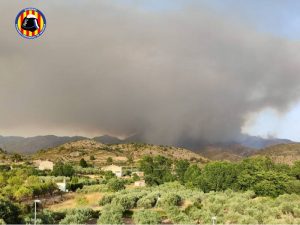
62,186
44,164
117,170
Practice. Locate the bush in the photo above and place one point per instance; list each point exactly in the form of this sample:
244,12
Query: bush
46,217
9,212
177,216
61,169
111,214
77,216
115,184
146,217
126,201
92,189
106,199
169,199
83,163
148,201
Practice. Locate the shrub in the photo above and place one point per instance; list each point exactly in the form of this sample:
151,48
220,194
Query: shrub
169,199
148,201
111,214
106,199
115,184
83,163
9,212
93,188
77,216
46,217
126,201
61,169
177,216
146,217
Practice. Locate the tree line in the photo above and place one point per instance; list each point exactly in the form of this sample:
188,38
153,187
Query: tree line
259,174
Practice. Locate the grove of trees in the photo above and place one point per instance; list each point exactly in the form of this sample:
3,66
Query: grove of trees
260,175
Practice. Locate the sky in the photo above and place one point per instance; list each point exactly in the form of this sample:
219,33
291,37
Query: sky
168,70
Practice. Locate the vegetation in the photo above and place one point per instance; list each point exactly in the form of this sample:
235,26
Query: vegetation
146,217
260,175
115,184
23,183
78,216
61,169
83,163
184,205
9,212
178,191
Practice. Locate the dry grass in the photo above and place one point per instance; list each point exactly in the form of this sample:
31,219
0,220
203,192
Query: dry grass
70,203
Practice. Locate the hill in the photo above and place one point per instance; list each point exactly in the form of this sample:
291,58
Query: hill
120,153
33,144
233,153
107,139
282,153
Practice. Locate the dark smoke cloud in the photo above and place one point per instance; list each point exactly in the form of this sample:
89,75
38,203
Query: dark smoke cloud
105,68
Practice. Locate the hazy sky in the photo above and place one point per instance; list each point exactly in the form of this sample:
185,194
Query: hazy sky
169,70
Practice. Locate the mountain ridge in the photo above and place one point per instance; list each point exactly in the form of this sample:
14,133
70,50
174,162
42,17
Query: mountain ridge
232,151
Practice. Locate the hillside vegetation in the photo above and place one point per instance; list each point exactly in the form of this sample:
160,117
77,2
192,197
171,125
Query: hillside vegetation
119,153
282,153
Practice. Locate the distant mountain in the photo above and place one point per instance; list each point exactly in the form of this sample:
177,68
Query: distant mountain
259,142
107,139
33,144
282,153
246,145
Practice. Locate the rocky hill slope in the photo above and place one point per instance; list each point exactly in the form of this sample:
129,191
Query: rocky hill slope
282,153
119,153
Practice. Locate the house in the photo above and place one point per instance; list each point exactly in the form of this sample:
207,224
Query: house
140,183
44,164
62,185
117,170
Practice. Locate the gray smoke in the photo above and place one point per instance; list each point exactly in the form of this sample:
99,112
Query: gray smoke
102,67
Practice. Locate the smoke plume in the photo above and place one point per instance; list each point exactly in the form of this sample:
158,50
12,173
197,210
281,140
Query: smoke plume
102,67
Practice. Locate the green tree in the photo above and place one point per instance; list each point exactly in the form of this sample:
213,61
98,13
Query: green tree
115,184
192,176
157,169
9,212
219,176
83,163
271,183
181,167
295,170
61,169
23,192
